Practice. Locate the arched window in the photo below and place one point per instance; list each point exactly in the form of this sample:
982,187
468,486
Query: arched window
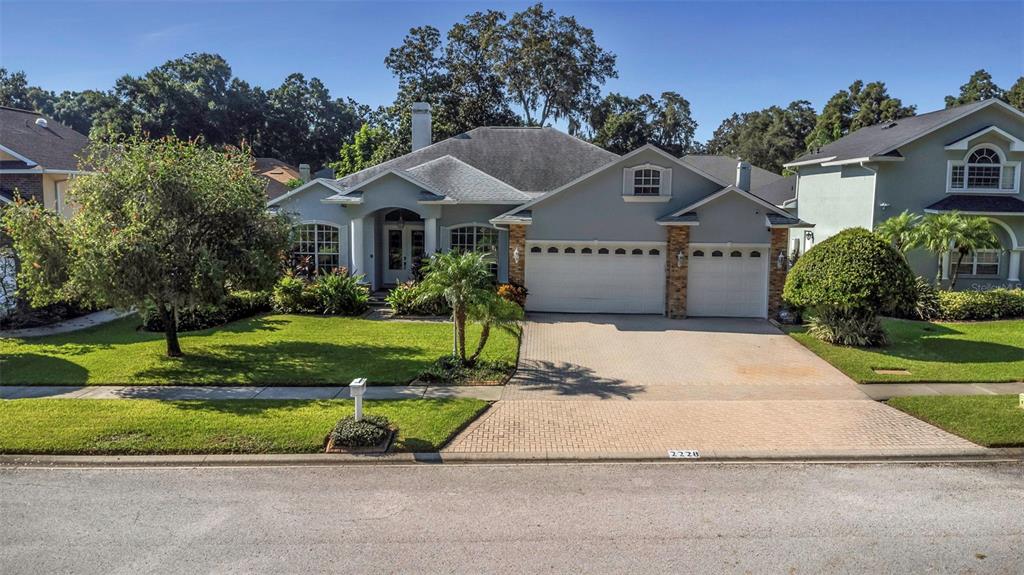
474,238
586,251
755,254
317,247
535,250
569,250
716,254
637,252
620,252
736,254
698,253
552,250
602,251
983,169
654,252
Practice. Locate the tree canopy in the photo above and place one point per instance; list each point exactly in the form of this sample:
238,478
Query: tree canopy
850,110
767,138
621,124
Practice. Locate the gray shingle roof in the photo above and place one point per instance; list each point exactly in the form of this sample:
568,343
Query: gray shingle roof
54,147
763,183
883,138
527,159
1000,204
463,183
688,217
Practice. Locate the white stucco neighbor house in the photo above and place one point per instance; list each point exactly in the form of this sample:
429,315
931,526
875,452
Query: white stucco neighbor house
585,230
966,158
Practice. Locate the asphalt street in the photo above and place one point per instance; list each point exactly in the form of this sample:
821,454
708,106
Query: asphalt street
593,518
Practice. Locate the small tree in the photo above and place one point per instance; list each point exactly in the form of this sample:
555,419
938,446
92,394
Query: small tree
936,234
973,233
463,280
493,310
845,282
167,223
900,231
955,233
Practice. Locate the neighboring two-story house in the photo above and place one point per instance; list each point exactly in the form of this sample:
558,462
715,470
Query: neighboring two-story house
966,158
585,230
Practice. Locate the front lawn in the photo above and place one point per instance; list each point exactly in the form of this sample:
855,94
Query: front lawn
989,420
990,351
139,426
266,350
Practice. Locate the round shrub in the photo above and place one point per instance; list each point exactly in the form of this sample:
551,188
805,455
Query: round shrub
853,271
370,431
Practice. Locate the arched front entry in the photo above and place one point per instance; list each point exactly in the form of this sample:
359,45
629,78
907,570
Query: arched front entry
402,245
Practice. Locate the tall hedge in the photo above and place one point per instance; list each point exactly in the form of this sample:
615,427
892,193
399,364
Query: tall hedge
854,271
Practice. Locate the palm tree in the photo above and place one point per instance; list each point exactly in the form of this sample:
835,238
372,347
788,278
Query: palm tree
901,231
493,310
973,233
463,280
936,234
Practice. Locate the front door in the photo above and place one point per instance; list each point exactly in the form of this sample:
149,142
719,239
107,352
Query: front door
404,247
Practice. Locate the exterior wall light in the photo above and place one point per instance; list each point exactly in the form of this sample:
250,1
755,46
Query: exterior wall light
780,262
515,255
680,259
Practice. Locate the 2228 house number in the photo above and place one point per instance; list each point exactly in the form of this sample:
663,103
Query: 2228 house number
683,454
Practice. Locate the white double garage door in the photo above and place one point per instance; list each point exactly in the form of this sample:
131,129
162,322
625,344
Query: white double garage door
723,280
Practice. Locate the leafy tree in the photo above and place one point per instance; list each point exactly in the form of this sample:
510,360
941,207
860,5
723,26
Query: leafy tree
364,151
15,92
80,110
166,224
901,231
767,138
621,124
1015,95
936,233
979,87
464,281
850,110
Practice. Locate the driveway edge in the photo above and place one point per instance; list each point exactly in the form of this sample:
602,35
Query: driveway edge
331,459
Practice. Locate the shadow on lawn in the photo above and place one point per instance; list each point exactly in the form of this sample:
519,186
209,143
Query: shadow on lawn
36,369
295,363
934,342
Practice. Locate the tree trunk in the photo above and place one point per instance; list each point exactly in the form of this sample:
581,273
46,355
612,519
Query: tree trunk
170,319
485,332
955,273
938,274
460,327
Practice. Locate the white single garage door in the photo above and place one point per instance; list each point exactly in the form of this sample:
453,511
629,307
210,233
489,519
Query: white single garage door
727,281
599,277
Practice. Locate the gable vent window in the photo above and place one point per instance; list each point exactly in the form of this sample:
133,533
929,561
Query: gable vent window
647,183
654,252
984,169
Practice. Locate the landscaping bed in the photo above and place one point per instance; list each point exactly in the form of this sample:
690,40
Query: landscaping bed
149,427
989,420
290,350
991,351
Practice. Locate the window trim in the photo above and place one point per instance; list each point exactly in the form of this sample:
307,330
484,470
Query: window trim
316,246
1003,165
664,184
972,260
497,237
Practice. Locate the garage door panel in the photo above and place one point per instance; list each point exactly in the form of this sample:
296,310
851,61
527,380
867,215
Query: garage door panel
728,285
596,283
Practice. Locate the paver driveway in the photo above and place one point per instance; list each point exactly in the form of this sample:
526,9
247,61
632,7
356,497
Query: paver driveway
647,384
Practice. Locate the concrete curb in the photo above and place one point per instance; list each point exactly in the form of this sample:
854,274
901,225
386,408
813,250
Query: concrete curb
329,459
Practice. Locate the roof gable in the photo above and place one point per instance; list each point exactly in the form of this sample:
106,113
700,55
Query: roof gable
52,146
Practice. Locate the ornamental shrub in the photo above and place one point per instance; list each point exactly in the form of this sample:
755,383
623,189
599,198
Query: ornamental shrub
514,292
408,299
237,305
340,294
291,295
981,305
861,329
370,431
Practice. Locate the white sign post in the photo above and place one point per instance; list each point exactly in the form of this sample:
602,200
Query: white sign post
356,389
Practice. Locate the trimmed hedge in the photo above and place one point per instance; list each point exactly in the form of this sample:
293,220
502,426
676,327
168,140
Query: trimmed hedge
237,305
981,305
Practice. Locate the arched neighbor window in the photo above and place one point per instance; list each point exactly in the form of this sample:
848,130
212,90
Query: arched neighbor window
473,238
983,169
319,244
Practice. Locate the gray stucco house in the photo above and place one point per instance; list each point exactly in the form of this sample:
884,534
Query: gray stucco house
585,230
966,158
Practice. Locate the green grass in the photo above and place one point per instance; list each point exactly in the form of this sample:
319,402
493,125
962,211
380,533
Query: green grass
266,350
141,426
991,351
989,420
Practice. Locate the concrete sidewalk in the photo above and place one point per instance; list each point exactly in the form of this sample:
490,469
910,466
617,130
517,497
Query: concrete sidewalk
179,393
67,326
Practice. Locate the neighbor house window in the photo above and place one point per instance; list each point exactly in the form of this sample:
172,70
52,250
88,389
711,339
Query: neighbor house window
317,245
646,182
983,169
979,263
476,239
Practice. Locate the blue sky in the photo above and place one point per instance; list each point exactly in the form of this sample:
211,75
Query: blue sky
724,57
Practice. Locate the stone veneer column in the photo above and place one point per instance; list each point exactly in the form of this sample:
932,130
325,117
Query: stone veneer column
777,273
676,270
517,261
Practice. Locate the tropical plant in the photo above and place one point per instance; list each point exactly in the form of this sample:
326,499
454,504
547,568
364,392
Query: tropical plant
955,233
340,294
900,231
463,280
493,310
973,233
936,233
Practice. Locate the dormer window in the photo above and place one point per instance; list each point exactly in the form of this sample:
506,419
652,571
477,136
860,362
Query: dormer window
647,183
984,169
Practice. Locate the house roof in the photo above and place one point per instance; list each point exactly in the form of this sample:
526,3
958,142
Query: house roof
527,159
764,184
54,147
884,139
462,182
978,203
277,174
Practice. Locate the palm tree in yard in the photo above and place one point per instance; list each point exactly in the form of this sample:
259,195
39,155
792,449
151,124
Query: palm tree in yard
463,280
957,234
937,233
973,233
901,231
493,310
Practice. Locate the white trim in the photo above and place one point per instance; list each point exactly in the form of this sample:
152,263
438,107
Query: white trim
450,201
16,155
498,221
646,199
678,223
1016,144
1009,231
609,165
728,244
323,181
1003,163
597,243
739,191
863,160
45,171
808,162
5,200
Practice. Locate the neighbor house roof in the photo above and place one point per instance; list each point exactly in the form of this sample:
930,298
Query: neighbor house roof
51,147
763,183
884,139
526,159
277,173
978,203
